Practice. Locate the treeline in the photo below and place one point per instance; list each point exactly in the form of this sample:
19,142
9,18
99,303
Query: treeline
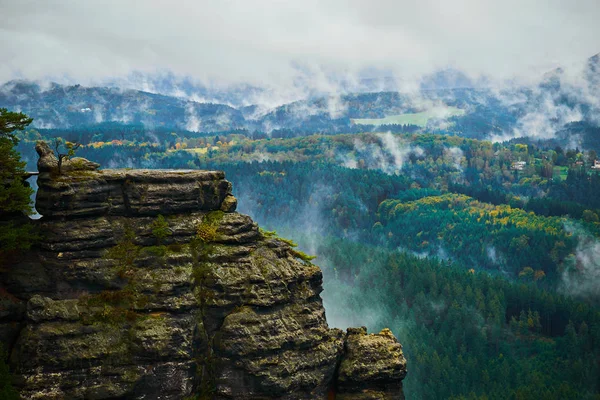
111,130
546,206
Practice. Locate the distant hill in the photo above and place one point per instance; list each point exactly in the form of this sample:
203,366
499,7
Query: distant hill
59,106
168,84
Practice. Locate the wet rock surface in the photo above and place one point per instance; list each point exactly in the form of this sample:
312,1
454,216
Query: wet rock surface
117,302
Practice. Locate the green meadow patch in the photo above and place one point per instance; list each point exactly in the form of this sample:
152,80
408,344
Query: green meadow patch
419,119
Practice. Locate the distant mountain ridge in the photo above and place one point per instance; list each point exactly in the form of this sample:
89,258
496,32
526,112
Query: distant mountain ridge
547,110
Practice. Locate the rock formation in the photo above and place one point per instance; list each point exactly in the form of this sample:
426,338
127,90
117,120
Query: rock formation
147,284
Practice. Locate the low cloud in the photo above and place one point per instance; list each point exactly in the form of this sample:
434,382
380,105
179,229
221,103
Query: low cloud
386,152
192,120
581,278
545,105
456,156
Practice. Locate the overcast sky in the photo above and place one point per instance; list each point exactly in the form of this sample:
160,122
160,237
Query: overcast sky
271,42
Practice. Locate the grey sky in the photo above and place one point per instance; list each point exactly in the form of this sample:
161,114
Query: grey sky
270,42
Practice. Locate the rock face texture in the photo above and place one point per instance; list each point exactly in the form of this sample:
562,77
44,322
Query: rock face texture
148,285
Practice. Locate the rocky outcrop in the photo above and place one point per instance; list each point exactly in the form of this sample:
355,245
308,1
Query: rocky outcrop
147,285
48,163
371,366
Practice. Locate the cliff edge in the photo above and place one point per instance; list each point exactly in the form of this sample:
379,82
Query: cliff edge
147,284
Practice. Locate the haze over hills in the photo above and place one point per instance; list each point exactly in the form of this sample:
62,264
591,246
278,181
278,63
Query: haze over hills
563,107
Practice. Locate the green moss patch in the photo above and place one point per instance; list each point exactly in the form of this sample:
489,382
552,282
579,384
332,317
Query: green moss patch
207,229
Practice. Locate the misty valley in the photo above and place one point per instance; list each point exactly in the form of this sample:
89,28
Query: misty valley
365,239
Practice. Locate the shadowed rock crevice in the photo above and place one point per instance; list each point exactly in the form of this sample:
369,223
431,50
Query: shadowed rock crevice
109,306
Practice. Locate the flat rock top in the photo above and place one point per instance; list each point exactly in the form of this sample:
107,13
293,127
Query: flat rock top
157,174
144,170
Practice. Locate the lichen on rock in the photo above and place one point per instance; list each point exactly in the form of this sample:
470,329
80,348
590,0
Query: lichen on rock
208,307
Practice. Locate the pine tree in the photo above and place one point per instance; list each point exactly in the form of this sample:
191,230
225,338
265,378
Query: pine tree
16,234
11,122
160,229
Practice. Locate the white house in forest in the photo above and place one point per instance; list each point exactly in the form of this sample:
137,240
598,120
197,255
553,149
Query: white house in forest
518,165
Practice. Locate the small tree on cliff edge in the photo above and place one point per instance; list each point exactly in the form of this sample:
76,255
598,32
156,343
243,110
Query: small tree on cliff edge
15,194
69,147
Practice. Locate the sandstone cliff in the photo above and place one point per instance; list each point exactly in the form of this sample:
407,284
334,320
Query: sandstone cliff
148,285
